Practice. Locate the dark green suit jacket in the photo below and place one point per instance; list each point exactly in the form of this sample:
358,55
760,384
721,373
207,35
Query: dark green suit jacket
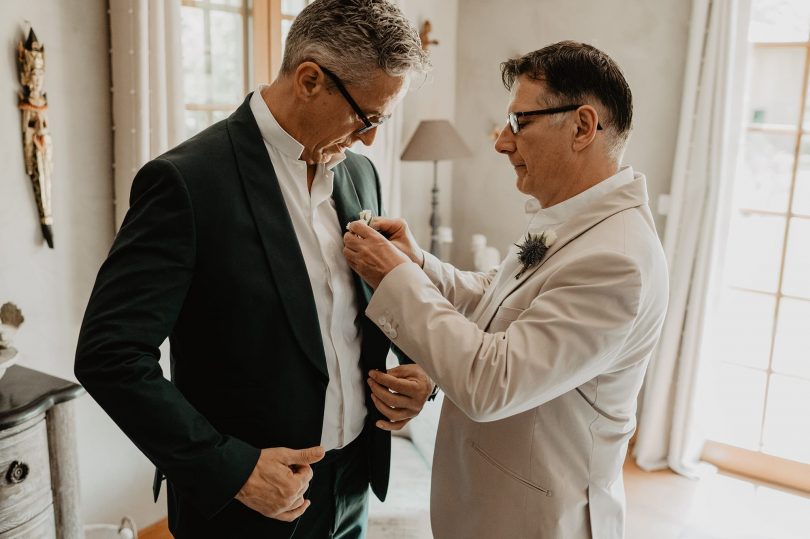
207,255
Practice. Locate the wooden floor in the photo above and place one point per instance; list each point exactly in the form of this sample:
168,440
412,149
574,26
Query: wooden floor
663,505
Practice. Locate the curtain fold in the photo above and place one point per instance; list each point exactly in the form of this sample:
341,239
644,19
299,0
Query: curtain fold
384,153
705,160
147,87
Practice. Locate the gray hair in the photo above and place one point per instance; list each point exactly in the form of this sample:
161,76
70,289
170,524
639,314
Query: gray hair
354,38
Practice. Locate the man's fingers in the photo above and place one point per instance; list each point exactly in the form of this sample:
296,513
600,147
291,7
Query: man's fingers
289,516
393,414
391,425
297,503
303,472
391,399
351,241
310,455
400,385
360,228
388,226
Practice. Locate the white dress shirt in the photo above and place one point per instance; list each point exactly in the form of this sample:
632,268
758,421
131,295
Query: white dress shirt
320,236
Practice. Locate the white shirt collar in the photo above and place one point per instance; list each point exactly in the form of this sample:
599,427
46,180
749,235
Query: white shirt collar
565,210
274,135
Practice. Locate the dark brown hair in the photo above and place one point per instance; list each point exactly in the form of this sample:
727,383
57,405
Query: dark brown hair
575,72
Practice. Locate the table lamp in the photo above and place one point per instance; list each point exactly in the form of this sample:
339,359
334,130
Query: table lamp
435,140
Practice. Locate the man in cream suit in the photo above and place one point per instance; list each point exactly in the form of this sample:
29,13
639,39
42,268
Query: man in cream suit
542,360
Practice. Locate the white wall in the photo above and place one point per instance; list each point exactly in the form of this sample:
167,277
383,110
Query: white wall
52,286
433,99
647,39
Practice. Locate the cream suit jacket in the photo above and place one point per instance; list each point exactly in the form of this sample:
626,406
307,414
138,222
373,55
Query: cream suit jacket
540,373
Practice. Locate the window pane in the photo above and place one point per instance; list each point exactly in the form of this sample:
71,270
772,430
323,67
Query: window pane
195,77
779,20
775,85
218,115
764,171
227,60
740,329
801,194
791,354
738,395
285,29
293,7
196,121
796,281
754,249
787,423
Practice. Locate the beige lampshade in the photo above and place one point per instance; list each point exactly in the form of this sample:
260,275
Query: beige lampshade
435,140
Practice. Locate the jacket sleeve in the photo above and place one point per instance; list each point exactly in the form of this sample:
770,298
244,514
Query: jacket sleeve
138,294
571,332
463,289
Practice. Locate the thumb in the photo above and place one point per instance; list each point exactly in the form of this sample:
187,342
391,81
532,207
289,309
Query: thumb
385,224
309,455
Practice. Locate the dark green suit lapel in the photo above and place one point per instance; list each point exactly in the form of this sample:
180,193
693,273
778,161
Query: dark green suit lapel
349,206
276,231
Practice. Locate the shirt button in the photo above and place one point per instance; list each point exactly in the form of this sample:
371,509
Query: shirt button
382,321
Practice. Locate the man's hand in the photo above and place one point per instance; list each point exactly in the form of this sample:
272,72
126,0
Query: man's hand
277,484
397,231
369,254
399,394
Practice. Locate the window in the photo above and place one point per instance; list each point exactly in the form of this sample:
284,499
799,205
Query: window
758,340
229,46
217,59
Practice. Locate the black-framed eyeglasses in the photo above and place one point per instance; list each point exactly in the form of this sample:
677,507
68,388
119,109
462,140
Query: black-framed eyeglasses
368,125
514,117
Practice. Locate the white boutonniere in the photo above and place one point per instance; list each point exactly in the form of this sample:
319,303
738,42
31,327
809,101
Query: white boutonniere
365,215
533,249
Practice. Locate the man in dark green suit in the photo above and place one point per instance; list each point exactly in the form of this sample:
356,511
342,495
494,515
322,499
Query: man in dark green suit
232,248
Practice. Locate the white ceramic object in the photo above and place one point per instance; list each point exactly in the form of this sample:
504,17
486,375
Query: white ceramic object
7,332
8,357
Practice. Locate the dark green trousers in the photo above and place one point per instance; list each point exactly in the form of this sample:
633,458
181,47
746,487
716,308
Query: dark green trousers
339,494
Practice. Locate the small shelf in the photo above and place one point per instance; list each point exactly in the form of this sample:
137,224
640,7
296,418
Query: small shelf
25,393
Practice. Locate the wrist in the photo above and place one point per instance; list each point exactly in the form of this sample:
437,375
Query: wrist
419,258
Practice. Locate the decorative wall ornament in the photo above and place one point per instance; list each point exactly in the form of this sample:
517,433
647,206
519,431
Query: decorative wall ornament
424,35
37,147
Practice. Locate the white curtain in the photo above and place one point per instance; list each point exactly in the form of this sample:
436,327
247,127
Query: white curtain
705,158
384,153
147,87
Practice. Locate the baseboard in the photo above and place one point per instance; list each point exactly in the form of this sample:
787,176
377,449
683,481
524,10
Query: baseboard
158,530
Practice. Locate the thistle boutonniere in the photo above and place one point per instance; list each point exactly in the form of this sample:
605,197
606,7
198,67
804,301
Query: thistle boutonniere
365,215
533,249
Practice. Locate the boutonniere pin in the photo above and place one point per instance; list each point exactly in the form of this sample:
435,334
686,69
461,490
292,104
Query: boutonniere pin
533,249
364,215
